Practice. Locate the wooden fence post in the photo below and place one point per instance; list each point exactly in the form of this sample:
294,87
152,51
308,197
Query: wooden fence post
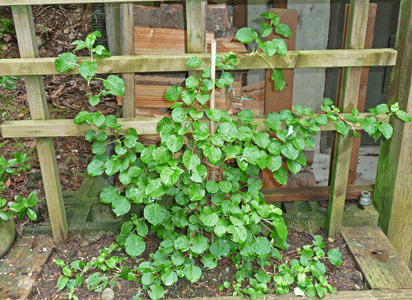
357,22
127,40
23,22
393,186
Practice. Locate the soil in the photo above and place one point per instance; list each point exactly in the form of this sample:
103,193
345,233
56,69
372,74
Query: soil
342,278
58,26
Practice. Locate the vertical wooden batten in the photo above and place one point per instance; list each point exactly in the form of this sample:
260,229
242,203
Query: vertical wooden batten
358,17
196,29
23,22
393,188
127,48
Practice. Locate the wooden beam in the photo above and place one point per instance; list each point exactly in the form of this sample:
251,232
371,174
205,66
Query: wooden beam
161,63
23,22
377,259
358,17
112,15
143,126
353,167
127,41
311,193
50,2
393,190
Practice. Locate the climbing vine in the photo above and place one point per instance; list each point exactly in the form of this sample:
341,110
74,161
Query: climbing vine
199,188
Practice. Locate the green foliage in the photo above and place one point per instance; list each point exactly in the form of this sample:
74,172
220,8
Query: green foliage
199,188
6,27
21,206
8,82
268,47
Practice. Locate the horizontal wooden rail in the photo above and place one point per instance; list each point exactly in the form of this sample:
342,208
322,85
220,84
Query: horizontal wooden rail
48,2
143,126
175,63
312,193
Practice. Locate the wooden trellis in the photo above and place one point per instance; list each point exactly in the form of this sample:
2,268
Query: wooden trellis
393,192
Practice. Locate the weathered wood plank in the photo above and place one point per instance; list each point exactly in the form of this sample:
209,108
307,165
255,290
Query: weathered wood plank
112,15
393,190
127,39
377,259
143,126
280,100
311,193
161,63
23,21
357,22
362,90
48,2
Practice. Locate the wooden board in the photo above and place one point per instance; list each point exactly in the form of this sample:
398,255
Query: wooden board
394,181
370,27
313,193
356,31
150,91
66,127
173,41
280,100
377,259
172,16
161,63
23,21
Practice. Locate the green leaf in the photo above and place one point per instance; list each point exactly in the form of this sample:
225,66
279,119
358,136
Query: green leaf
202,98
155,213
156,291
213,114
65,61
294,166
252,154
179,114
386,129
228,132
280,227
261,246
261,139
265,30
220,247
403,116
114,85
284,30
342,128
246,35
190,160
191,82
193,62
239,233
225,186
289,151
321,291
192,273
280,46
188,96
174,143
134,245
209,261
278,78
121,205
281,175
173,93
61,283
199,244
335,257
148,278
370,125
169,277
208,217
87,69
380,109
274,162
207,85
199,174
